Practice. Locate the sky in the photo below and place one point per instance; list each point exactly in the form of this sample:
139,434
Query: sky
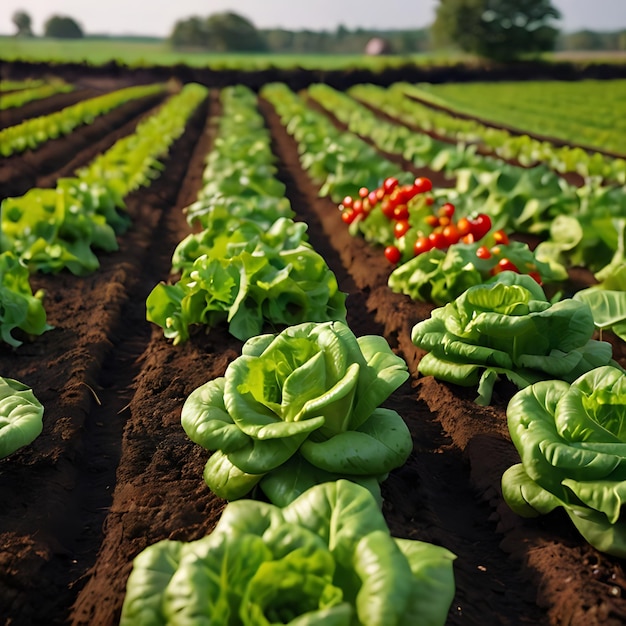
138,17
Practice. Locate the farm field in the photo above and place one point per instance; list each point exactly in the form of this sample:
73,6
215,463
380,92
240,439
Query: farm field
113,471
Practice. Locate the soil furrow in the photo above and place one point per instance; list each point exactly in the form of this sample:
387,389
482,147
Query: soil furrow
159,466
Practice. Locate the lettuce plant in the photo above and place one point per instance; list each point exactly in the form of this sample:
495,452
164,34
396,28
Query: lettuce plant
440,276
507,327
248,290
327,558
572,444
299,408
21,416
19,307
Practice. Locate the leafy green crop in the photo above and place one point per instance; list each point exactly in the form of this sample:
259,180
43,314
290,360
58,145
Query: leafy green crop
507,327
572,442
249,291
21,416
19,308
327,558
299,408
441,276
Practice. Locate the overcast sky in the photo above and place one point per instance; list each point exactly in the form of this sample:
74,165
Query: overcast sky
158,16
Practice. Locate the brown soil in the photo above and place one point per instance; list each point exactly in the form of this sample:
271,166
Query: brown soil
113,471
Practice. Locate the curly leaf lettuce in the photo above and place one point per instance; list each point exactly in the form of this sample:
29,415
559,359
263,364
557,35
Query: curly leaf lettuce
21,416
508,328
308,396
248,290
325,559
572,442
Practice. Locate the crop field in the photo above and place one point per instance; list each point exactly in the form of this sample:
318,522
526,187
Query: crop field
137,212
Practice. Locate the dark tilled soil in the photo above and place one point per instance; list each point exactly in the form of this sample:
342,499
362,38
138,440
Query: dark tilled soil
113,471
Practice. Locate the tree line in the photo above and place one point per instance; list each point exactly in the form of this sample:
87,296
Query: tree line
495,29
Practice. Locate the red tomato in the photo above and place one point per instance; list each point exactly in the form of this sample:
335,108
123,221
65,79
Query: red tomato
481,225
363,192
432,221
483,252
400,228
348,215
463,226
373,198
422,244
347,202
401,212
536,276
438,240
422,184
387,206
451,233
392,254
505,265
500,236
447,210
390,184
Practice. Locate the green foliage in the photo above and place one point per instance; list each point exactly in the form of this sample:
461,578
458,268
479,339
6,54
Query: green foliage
298,408
508,328
248,290
440,277
220,32
327,558
497,29
62,27
21,416
23,23
19,308
572,442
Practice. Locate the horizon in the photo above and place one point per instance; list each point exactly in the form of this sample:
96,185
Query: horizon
129,18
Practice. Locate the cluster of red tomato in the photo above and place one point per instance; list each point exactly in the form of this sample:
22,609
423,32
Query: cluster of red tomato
394,201
393,198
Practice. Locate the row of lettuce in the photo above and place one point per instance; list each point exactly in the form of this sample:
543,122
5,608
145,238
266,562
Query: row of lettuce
298,416
35,131
17,94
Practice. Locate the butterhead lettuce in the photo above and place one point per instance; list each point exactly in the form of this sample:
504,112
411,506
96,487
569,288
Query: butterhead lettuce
327,558
21,416
572,442
508,328
297,408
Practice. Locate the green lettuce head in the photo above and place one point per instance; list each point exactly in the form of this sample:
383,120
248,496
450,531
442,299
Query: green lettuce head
572,443
298,408
326,559
508,328
21,416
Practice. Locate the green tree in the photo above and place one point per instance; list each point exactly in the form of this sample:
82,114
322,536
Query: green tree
23,23
62,27
502,30
230,32
190,33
